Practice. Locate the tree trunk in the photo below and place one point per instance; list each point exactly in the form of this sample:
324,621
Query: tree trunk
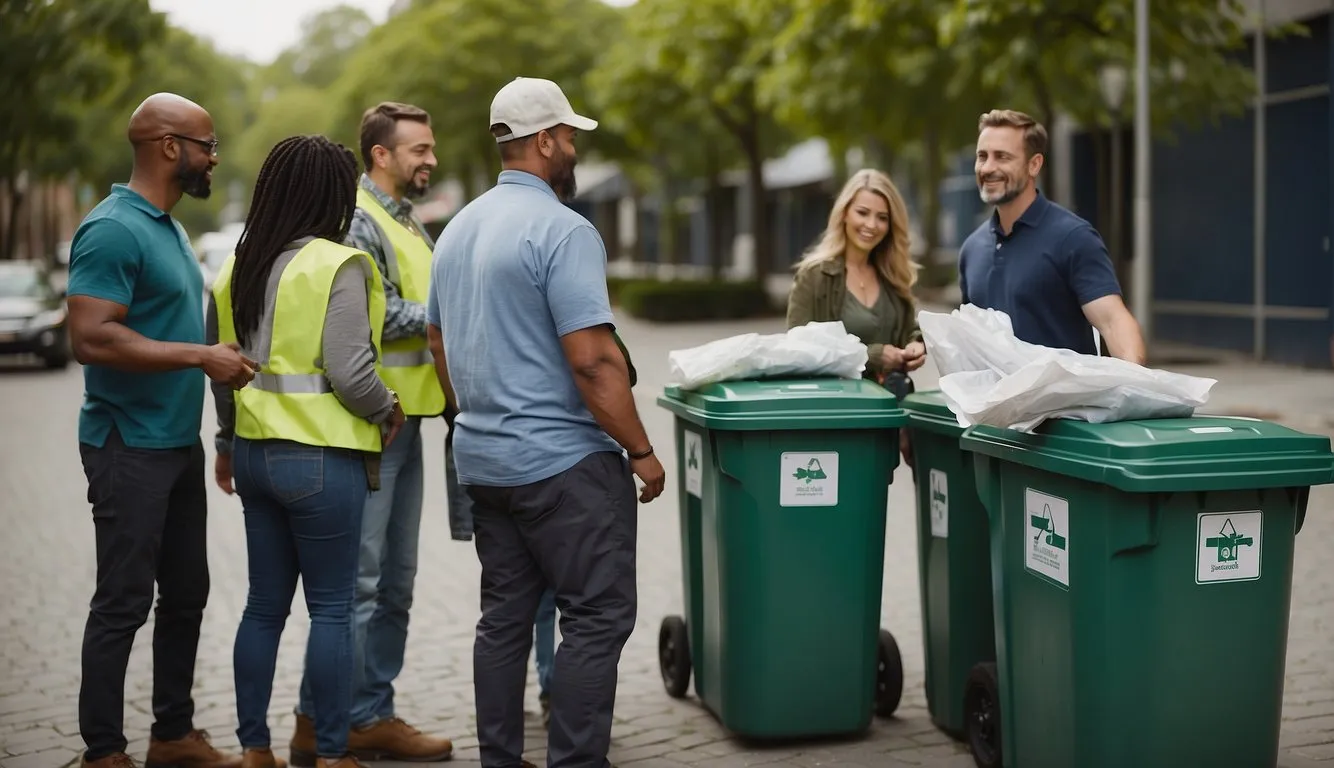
1047,116
15,207
759,214
713,204
933,169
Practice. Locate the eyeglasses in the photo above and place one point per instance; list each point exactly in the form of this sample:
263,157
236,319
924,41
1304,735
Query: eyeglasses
211,145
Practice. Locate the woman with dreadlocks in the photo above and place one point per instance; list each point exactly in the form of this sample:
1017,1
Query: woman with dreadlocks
303,439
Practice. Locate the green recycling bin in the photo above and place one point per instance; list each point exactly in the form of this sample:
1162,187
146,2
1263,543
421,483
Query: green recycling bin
1143,576
954,573
783,488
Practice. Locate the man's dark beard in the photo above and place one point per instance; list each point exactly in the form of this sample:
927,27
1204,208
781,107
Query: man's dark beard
562,179
414,191
194,181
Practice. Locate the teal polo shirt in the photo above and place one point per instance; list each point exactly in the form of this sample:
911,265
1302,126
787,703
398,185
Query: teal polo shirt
130,252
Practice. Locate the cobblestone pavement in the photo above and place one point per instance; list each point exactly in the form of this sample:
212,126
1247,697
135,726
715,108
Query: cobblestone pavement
46,578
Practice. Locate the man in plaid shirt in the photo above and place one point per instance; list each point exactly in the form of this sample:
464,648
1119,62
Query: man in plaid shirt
397,147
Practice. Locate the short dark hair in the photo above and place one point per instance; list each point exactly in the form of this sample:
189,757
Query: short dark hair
1035,136
514,148
378,124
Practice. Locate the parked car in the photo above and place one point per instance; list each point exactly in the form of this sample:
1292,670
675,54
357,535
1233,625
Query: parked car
32,314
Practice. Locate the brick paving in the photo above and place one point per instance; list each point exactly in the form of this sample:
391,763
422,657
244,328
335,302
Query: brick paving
46,581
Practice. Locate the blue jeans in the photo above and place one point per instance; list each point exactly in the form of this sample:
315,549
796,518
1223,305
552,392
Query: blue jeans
303,509
387,570
544,641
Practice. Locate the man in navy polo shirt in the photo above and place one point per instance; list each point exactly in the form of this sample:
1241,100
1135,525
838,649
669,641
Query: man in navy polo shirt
1035,261
136,319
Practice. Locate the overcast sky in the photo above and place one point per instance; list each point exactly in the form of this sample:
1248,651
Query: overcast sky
260,29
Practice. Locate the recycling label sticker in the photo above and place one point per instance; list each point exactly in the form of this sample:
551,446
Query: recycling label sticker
940,504
1047,536
808,479
1227,546
694,458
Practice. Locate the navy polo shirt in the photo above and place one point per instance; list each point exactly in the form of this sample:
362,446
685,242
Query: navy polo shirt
1042,274
130,252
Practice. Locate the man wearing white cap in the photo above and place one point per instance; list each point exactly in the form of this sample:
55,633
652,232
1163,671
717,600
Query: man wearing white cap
523,338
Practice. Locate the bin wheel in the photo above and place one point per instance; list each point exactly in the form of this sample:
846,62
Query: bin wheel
888,676
982,715
674,656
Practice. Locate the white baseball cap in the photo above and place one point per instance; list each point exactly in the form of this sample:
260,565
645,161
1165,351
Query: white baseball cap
527,105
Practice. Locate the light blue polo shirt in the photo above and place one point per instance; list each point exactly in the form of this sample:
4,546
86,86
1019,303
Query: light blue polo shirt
130,252
513,272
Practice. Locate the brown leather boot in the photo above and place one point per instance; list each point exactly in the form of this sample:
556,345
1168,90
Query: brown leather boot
394,739
118,760
302,746
261,758
192,751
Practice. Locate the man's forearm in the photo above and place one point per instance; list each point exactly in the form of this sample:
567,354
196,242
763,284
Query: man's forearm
114,345
403,319
1124,340
605,388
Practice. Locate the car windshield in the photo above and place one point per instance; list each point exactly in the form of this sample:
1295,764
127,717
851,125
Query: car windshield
21,283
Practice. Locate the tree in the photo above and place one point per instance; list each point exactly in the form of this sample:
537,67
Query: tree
1046,55
55,56
663,135
451,56
318,59
176,62
863,75
710,54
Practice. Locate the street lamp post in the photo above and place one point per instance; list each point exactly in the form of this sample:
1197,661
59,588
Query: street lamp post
1141,268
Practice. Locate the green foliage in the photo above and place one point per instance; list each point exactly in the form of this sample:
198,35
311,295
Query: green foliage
328,38
54,56
687,73
451,56
177,62
694,300
1048,55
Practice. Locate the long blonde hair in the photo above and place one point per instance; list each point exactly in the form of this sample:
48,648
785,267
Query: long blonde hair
890,257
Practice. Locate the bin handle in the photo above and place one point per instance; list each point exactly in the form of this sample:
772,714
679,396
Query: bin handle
718,456
1145,537
1300,497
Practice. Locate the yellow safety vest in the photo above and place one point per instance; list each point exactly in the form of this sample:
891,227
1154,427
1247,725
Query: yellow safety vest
291,398
406,365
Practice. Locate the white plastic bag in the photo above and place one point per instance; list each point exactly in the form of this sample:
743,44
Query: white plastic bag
814,349
991,377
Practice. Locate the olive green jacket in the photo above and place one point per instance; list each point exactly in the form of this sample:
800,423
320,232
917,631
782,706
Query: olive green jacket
818,293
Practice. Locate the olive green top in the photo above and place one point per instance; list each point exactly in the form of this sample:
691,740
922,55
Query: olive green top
820,294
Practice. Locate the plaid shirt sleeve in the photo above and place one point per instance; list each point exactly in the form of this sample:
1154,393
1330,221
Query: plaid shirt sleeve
403,319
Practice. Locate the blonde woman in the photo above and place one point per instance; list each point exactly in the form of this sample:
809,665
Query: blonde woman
860,272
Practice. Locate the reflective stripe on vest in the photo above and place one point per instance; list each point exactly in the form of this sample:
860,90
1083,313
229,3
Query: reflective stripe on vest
406,364
291,398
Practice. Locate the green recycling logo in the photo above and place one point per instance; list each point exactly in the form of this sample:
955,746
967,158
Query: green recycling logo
812,471
692,461
1227,542
1046,525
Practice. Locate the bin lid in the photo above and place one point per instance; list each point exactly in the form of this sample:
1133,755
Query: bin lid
1204,453
786,404
929,411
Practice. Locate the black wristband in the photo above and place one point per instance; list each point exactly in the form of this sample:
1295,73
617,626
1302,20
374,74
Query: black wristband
644,455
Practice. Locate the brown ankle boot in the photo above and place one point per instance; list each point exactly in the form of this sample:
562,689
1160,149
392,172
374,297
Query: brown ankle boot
302,746
394,739
117,760
261,758
192,751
